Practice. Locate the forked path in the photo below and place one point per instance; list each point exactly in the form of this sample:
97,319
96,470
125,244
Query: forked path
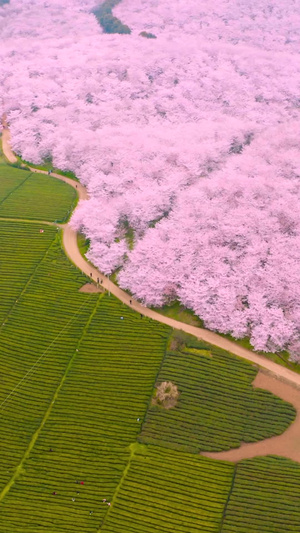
282,445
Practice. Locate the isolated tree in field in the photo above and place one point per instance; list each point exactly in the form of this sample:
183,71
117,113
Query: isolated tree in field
166,395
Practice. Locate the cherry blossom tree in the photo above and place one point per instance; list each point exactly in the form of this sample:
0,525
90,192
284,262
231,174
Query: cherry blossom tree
191,140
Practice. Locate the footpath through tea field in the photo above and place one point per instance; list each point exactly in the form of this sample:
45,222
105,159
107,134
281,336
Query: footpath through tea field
78,374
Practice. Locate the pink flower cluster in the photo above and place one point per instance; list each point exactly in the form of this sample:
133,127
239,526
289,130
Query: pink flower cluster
191,140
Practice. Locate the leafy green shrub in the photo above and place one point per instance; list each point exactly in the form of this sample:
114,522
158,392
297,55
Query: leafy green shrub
20,166
147,34
107,20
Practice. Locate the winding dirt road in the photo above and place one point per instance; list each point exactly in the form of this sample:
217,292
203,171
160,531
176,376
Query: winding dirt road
6,143
287,444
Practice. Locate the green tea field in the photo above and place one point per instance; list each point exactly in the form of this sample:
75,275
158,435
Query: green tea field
217,407
17,265
82,446
265,497
33,196
170,491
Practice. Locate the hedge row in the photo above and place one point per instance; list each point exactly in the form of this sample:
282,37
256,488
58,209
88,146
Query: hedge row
107,20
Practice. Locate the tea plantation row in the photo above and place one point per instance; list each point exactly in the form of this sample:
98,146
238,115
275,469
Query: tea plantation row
265,497
16,264
166,491
218,408
103,391
34,196
45,321
85,367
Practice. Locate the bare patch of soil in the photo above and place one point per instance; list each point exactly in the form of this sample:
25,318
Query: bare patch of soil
166,395
90,287
287,444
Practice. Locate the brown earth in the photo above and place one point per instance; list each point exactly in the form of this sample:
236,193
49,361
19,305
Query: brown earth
6,143
90,288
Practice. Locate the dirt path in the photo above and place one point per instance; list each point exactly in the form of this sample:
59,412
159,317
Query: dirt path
288,444
72,250
10,156
6,143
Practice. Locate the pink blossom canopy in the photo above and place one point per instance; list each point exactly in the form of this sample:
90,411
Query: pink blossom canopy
191,140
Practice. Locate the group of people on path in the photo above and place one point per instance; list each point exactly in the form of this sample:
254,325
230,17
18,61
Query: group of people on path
101,281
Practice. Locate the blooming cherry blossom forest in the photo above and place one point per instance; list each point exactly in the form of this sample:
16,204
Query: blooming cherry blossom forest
190,140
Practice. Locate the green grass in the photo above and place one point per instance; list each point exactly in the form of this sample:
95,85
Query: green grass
265,497
218,408
166,491
47,165
83,244
179,312
281,358
130,238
